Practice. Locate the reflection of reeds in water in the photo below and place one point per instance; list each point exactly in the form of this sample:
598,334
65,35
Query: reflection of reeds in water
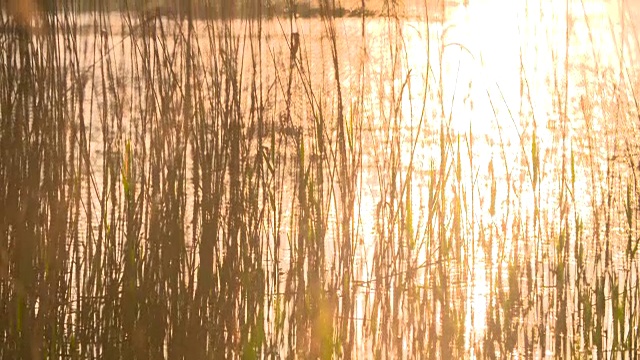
173,207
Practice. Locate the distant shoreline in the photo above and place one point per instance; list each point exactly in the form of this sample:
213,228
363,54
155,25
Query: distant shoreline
302,11
158,12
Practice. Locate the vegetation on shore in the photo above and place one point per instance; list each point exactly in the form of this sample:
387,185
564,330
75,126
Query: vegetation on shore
204,9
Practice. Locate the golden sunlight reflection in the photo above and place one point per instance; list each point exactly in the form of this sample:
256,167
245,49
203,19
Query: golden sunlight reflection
504,82
394,185
476,318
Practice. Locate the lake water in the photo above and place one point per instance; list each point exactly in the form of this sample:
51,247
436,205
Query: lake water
490,78
491,197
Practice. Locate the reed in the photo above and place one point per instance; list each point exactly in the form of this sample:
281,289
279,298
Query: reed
225,182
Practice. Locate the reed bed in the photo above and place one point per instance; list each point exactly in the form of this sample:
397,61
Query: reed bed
200,185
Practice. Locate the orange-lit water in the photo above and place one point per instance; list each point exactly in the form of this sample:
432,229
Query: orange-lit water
481,88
